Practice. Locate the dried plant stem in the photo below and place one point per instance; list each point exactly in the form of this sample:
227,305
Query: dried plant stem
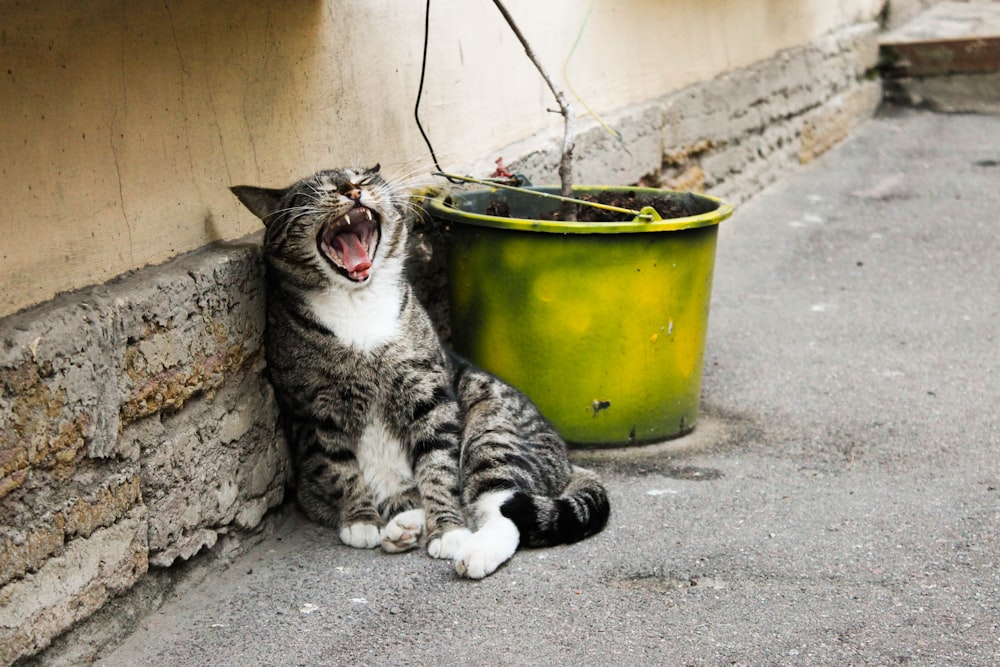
566,159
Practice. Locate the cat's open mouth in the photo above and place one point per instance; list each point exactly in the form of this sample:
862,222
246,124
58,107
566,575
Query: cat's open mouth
350,241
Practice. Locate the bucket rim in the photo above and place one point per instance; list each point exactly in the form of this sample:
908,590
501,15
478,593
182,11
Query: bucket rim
438,206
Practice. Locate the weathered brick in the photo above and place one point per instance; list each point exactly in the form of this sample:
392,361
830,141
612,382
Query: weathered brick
691,179
13,458
188,330
110,504
71,586
56,363
28,549
201,471
45,541
829,125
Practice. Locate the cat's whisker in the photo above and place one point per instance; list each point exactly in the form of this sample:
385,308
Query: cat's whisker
412,209
318,193
413,173
295,212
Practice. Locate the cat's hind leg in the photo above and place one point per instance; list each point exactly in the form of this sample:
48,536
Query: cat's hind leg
449,543
406,522
403,531
494,541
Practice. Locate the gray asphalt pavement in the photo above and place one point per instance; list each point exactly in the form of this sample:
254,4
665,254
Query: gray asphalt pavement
838,504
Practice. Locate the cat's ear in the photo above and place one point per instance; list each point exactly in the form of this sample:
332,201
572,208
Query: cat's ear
375,169
262,202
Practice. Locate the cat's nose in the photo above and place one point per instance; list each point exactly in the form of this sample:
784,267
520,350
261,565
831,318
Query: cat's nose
354,193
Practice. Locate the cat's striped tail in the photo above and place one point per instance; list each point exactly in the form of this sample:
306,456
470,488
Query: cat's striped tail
581,511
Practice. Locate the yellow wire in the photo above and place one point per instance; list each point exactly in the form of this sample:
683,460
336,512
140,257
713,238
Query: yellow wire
569,84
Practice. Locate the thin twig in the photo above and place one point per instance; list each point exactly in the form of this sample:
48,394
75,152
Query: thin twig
566,159
639,215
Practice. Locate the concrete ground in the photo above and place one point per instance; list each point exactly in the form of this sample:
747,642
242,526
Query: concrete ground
838,504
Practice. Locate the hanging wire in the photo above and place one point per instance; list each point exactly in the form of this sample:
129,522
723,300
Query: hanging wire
420,91
647,213
565,72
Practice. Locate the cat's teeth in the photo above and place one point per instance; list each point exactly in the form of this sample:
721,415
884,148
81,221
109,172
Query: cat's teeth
368,212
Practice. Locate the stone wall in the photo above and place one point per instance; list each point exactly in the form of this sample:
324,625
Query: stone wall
135,427
136,423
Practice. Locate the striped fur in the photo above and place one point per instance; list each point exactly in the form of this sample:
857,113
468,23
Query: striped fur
398,441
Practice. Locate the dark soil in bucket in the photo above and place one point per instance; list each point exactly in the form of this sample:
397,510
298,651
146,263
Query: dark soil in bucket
671,205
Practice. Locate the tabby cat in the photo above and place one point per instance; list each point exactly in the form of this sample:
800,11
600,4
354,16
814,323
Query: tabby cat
397,440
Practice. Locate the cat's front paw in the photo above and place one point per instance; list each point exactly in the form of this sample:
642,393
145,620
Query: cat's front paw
403,531
486,550
448,544
360,535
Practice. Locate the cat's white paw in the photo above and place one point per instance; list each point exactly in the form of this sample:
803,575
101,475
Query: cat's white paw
360,535
448,544
403,531
487,549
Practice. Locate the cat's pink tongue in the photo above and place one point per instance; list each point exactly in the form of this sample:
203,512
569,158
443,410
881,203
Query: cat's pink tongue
354,254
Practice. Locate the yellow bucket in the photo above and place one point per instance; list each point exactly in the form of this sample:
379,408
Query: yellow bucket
603,325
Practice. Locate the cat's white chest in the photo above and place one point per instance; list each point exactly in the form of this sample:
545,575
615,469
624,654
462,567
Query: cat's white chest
364,319
383,462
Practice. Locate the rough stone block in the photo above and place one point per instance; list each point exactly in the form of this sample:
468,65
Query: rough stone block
829,125
25,547
220,460
188,329
622,149
71,586
56,403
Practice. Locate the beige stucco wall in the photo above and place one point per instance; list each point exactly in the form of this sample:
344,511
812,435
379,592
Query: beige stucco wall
124,122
